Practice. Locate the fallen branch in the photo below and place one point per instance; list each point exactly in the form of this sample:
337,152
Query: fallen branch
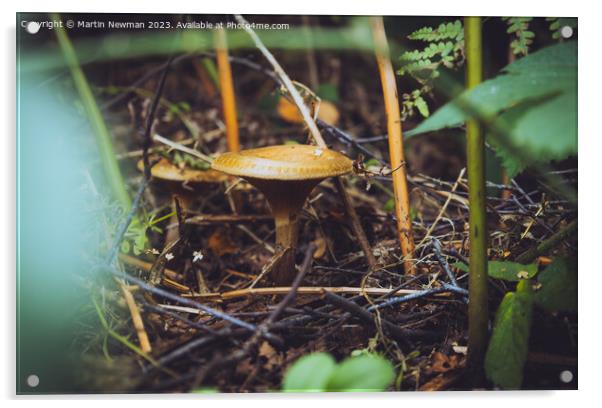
303,290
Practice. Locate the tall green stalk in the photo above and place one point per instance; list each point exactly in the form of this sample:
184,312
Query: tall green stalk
477,309
103,138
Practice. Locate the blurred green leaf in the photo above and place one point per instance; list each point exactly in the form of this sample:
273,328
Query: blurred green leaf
506,270
309,374
509,344
534,99
389,205
319,372
511,271
362,373
558,291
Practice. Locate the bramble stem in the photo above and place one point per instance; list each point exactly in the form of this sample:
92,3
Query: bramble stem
399,176
478,315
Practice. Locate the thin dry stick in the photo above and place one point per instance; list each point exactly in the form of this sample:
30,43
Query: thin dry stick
303,290
315,133
145,345
442,211
227,90
180,147
400,183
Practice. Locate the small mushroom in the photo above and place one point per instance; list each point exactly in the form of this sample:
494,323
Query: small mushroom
175,179
285,174
289,112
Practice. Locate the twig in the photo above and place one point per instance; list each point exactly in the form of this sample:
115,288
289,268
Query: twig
188,302
367,317
315,133
145,345
443,208
290,87
303,290
227,90
347,139
437,249
400,182
147,142
356,224
412,296
227,219
182,148
290,296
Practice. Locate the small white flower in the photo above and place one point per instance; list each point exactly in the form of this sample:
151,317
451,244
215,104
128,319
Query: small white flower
169,256
153,251
197,256
318,152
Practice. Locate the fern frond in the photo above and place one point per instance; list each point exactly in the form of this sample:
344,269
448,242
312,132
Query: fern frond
519,26
445,31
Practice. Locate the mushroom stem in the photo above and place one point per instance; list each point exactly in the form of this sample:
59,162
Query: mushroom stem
286,199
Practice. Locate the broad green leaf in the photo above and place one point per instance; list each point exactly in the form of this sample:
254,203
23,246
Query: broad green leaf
509,342
309,374
509,271
364,373
558,291
533,100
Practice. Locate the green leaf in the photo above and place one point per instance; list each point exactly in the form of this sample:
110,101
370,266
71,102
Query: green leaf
533,100
509,271
423,108
361,374
509,342
558,291
389,205
310,373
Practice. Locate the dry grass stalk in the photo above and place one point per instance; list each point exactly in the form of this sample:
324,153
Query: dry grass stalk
145,345
227,90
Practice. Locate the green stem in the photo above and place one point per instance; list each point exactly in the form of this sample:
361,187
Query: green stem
103,138
547,245
478,315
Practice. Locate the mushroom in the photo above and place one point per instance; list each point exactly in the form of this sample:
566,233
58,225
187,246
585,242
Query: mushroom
289,112
174,178
285,174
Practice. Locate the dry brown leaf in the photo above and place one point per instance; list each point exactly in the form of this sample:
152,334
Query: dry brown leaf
442,363
273,358
320,244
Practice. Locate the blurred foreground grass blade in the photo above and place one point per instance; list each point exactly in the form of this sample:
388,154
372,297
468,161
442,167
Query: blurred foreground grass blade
103,138
478,315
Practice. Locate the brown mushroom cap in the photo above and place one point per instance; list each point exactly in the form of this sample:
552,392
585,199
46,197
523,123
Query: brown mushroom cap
166,170
284,162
